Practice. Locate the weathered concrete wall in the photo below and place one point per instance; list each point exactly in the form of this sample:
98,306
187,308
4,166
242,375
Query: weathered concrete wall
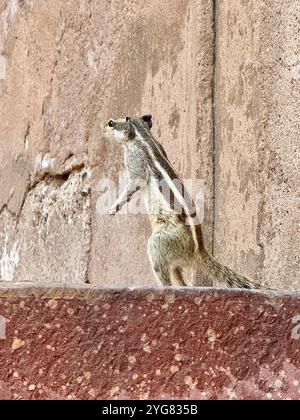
257,139
162,63
70,66
73,344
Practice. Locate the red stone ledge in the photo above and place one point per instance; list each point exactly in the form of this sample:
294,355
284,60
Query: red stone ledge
86,343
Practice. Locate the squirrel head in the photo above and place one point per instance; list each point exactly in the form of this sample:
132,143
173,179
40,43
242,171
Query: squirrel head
123,130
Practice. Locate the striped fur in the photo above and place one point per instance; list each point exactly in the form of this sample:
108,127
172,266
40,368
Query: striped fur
176,244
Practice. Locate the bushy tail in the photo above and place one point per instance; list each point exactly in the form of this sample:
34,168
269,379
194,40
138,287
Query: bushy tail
229,277
210,268
210,271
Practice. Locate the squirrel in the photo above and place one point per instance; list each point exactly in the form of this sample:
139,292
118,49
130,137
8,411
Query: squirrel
177,242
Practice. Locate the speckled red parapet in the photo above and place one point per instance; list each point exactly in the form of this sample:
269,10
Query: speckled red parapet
73,343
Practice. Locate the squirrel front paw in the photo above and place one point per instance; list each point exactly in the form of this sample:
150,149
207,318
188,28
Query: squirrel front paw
113,211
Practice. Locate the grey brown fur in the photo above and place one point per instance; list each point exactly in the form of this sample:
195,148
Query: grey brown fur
176,245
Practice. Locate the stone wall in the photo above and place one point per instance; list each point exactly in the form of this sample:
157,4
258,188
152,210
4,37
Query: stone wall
257,139
195,344
70,65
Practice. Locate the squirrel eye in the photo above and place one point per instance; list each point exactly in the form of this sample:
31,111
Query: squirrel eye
111,123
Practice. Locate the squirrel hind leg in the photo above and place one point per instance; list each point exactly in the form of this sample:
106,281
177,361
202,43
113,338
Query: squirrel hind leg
168,276
159,261
165,248
177,274
162,274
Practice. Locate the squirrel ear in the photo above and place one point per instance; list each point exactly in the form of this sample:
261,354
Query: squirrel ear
148,120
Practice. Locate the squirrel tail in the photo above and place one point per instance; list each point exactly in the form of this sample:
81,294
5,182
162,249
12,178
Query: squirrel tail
211,271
